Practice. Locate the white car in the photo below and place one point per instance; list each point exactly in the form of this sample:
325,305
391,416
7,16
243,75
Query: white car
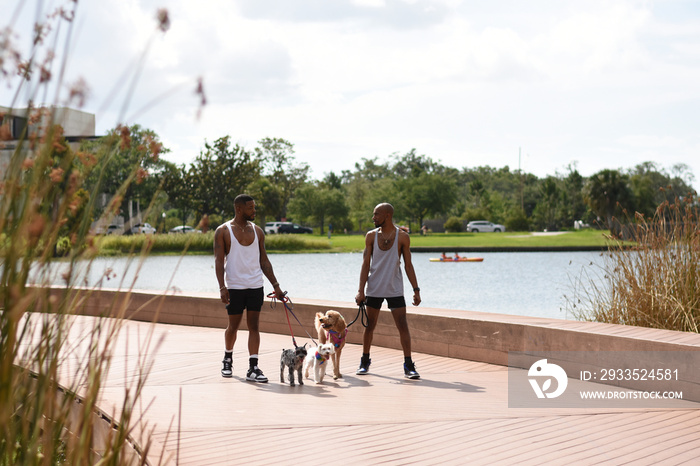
145,228
477,226
272,227
184,229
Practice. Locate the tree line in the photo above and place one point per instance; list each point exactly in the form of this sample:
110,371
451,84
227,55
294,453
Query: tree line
419,188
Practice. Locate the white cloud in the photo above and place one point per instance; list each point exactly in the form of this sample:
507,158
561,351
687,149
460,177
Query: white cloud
608,84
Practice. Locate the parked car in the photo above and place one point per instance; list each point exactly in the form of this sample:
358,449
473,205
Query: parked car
477,226
184,229
145,228
272,227
114,230
288,227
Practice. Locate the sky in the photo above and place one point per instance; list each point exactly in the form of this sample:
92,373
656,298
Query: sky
541,85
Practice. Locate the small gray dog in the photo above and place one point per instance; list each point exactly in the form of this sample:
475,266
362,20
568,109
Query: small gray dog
294,360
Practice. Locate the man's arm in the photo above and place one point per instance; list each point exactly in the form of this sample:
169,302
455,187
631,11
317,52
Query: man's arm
405,248
364,271
219,261
266,265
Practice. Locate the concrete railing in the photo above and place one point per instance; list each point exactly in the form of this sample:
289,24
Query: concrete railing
474,336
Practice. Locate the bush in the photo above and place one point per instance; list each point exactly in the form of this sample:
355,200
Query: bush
453,225
517,221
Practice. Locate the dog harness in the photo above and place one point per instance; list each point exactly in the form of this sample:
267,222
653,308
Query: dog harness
336,338
320,357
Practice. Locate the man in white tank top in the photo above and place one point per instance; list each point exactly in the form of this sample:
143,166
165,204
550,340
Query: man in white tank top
240,263
381,275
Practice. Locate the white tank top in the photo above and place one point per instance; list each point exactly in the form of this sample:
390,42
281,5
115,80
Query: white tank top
242,270
385,279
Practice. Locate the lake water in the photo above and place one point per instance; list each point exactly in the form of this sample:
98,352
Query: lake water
530,284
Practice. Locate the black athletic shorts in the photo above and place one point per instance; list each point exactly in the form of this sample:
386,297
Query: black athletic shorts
393,303
250,298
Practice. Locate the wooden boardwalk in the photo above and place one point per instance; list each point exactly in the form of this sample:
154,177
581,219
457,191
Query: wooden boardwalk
456,414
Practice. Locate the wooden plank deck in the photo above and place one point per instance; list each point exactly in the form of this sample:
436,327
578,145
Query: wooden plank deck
456,414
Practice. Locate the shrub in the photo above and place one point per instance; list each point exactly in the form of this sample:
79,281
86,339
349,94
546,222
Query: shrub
517,221
453,225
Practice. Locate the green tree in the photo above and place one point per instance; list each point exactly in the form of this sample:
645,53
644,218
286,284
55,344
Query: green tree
573,206
546,211
218,174
607,193
319,204
268,198
277,156
125,154
423,188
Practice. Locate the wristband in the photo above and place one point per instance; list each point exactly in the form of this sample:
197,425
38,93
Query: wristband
275,284
416,289
222,288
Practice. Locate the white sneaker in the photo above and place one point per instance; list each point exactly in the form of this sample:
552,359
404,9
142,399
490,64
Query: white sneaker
227,368
256,375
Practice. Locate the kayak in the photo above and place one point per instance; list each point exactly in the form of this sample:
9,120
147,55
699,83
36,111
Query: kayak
461,259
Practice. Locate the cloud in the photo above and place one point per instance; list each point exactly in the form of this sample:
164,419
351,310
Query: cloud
466,83
395,14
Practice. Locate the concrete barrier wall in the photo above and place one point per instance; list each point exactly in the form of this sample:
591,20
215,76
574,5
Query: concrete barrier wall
467,335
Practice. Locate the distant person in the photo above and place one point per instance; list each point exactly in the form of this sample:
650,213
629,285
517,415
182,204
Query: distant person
330,230
424,230
444,256
381,275
457,256
240,262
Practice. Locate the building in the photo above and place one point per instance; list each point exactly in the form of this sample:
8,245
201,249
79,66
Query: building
77,126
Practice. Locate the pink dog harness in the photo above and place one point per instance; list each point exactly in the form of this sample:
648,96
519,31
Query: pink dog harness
336,338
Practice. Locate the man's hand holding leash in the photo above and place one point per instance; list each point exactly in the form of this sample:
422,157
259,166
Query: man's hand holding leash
279,294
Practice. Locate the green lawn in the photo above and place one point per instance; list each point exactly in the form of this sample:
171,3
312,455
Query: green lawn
485,240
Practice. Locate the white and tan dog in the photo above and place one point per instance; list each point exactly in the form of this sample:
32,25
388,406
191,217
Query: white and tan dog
318,359
331,328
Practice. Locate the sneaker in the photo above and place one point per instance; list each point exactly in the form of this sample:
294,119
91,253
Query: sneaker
256,375
364,367
227,368
409,371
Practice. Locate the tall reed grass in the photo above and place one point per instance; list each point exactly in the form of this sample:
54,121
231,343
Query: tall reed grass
657,283
52,373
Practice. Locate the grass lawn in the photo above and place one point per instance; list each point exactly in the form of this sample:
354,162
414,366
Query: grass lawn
484,240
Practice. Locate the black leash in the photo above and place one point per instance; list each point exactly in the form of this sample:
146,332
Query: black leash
361,311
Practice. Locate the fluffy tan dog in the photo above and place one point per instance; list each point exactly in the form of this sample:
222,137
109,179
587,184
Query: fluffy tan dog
331,327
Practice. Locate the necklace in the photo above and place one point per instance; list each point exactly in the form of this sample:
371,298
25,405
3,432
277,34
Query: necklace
240,227
386,241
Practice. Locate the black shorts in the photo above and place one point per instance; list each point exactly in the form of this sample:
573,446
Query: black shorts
250,298
393,303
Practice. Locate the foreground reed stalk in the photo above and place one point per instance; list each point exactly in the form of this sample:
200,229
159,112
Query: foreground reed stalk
656,284
53,366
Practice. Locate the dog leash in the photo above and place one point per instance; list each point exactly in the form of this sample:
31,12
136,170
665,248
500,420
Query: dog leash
362,310
288,309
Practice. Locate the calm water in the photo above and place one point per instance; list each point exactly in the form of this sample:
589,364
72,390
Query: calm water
531,284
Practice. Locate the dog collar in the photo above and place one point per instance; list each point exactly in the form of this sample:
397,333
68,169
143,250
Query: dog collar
320,357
